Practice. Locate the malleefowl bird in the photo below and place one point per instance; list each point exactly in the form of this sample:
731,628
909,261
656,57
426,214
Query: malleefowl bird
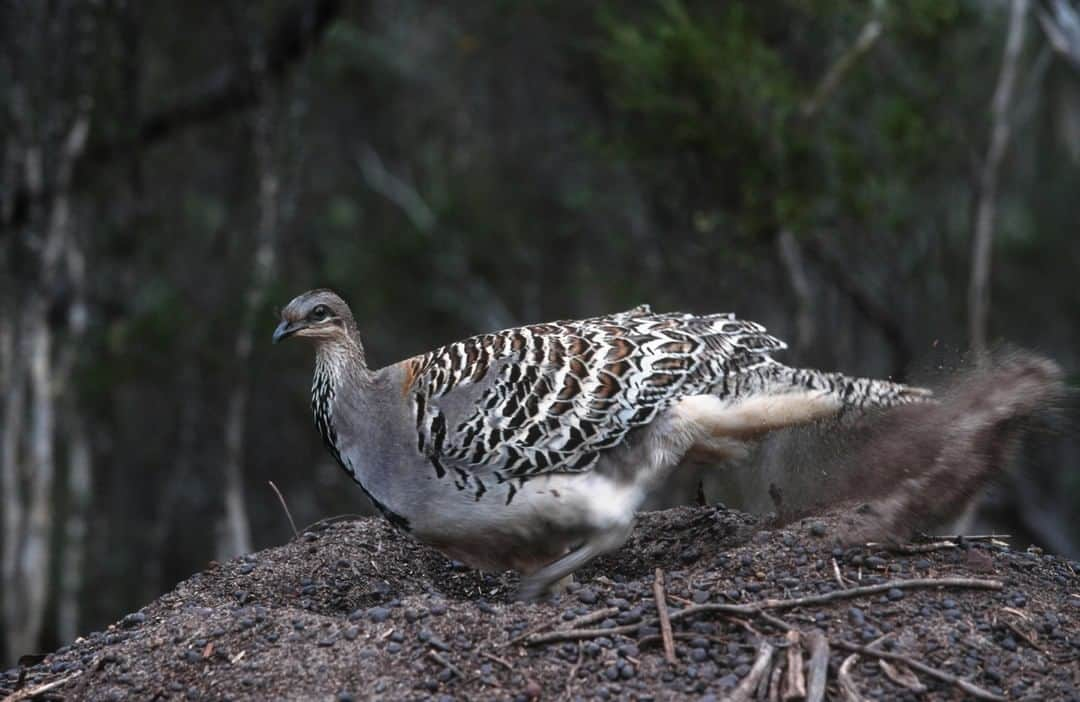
532,448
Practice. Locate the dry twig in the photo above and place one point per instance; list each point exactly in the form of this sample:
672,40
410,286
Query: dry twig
441,660
836,572
818,669
965,537
285,507
593,617
584,620
665,621
968,687
869,35
748,686
501,661
758,608
902,676
914,548
848,689
31,692
774,682
794,682
573,674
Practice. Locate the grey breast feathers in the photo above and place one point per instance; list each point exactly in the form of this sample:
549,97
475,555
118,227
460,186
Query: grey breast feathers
553,397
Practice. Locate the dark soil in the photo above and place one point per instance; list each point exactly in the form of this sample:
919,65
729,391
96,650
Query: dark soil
355,610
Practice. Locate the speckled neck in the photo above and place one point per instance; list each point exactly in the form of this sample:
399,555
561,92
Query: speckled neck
340,367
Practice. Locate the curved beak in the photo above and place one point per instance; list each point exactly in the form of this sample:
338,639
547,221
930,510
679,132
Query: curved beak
286,329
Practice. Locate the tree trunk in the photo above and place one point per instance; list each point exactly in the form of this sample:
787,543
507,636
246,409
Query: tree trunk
791,258
235,535
10,483
33,551
79,480
73,555
986,207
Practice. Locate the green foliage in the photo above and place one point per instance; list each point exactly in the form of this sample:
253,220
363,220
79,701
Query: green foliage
717,90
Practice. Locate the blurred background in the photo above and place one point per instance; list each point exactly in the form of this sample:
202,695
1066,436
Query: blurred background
886,185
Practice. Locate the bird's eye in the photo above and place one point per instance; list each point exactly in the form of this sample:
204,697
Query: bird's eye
320,313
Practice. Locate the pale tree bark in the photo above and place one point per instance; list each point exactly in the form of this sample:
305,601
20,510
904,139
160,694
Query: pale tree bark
1061,23
986,205
79,479
866,40
14,385
26,564
794,264
46,129
235,531
73,557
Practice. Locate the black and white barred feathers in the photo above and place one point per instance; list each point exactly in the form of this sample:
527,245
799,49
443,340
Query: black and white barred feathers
567,391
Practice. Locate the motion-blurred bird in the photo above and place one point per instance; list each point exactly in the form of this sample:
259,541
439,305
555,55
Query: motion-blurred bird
532,448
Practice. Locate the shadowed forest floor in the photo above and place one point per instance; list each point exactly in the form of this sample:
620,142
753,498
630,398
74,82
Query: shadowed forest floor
355,610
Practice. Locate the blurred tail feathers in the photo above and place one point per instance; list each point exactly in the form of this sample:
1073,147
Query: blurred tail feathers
928,462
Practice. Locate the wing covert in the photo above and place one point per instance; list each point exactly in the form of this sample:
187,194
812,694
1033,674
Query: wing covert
553,397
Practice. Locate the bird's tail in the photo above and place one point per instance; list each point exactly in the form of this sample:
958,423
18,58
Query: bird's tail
844,392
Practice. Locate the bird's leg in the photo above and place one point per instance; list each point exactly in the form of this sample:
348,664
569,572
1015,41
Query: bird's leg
560,572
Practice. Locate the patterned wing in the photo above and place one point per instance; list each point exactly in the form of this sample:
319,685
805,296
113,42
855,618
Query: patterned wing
564,392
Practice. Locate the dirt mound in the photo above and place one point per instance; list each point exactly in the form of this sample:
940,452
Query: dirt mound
355,610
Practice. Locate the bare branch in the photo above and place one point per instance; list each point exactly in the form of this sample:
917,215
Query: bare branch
1060,22
818,669
792,259
986,207
968,687
297,31
746,688
662,611
849,691
868,36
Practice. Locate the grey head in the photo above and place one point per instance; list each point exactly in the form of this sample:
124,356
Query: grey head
320,315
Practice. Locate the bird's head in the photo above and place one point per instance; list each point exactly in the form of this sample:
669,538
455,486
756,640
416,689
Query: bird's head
320,315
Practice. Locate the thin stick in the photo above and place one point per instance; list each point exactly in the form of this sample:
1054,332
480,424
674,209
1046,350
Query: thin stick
681,635
774,682
757,608
848,689
31,692
285,507
531,633
914,548
836,572
968,687
501,661
964,537
869,35
774,620
573,674
818,669
434,655
901,676
1024,635
794,683
665,621
535,639
751,609
584,620
593,617
746,689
